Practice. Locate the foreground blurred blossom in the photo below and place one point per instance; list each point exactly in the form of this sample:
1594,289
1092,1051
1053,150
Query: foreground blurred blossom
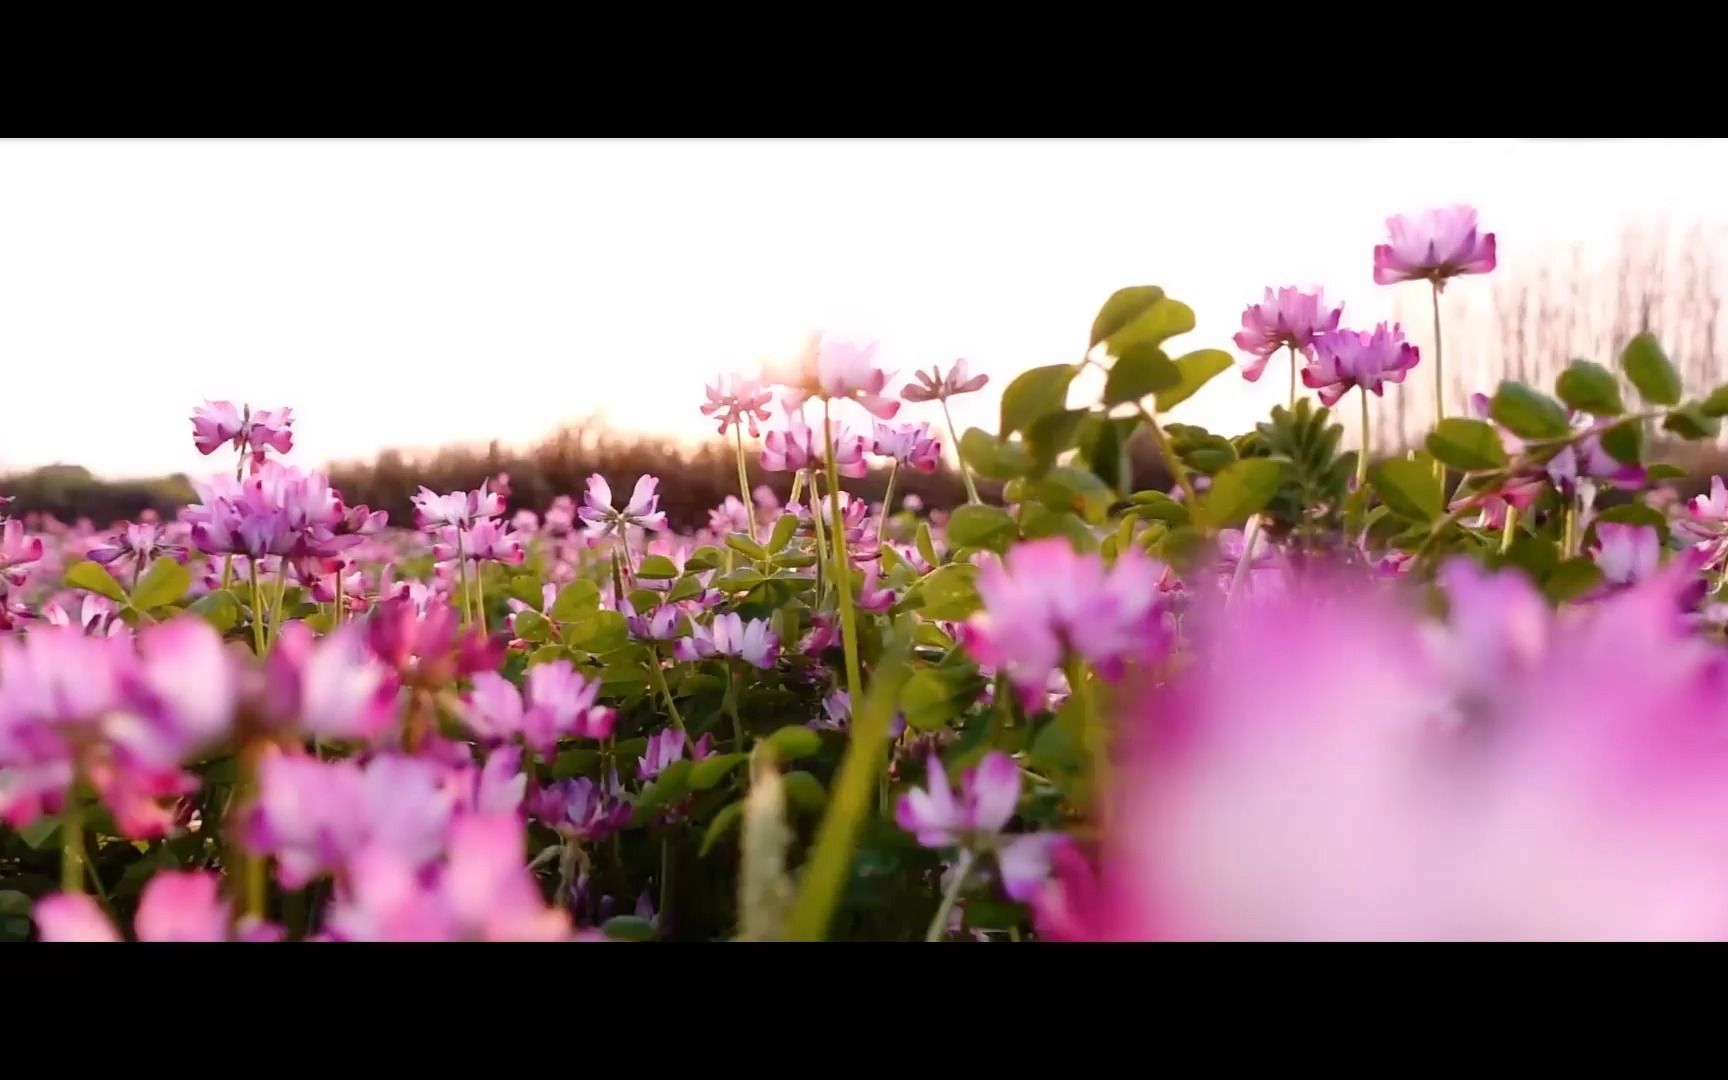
1433,246
1289,318
1347,359
1627,554
175,906
482,892
836,370
427,648
730,635
331,686
735,401
561,702
1045,603
934,386
641,511
1586,798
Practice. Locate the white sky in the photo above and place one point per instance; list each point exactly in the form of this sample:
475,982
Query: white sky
417,293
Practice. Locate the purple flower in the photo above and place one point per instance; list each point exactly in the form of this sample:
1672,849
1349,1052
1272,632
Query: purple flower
798,448
641,511
1498,626
836,370
1626,554
1289,318
580,809
909,444
1345,359
663,749
1433,246
1045,602
218,422
458,508
493,709
753,642
988,796
561,702
936,387
331,686
16,549
871,598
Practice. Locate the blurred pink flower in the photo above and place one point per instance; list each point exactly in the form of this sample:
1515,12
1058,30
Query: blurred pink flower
736,400
1045,603
1346,359
493,708
580,808
17,549
989,794
798,448
838,370
331,686
1290,318
1626,554
461,509
1433,246
428,648
560,702
72,917
934,386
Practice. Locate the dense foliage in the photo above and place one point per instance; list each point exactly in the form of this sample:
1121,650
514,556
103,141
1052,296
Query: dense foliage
1475,690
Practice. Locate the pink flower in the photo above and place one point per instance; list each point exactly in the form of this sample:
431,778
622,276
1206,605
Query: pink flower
560,703
494,707
798,448
735,400
331,686
427,649
1345,359
1626,554
832,369
1433,246
490,540
641,511
1289,318
72,917
935,387
218,422
909,444
458,508
662,625
753,642
870,597
182,907
214,423
989,794
1045,602
663,749
16,549
729,517
581,809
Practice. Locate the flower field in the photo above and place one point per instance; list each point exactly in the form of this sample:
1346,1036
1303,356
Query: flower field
1476,690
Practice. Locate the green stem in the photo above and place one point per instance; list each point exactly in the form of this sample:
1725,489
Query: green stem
257,609
797,486
660,685
887,499
1511,532
72,841
227,569
821,540
1439,376
1293,366
1250,536
480,595
1569,538
842,565
665,877
962,870
731,706
1362,461
336,615
1092,739
965,470
276,607
462,576
744,480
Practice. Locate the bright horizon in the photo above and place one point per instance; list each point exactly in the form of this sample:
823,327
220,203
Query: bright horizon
419,294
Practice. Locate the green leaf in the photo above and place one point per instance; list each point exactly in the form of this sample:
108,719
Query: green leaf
13,902
37,834
784,526
1408,487
1651,371
95,578
793,742
220,609
576,600
1571,579
1717,403
547,654
927,700
724,822
532,626
804,792
668,787
740,579
1052,435
1157,506
1123,307
1690,423
1528,413
993,459
1632,514
926,548
688,586
1160,321
1241,490
743,545
950,592
981,527
1590,388
163,583
1193,370
1466,445
708,772
1138,371
1077,491
1664,471
1038,522
574,763
706,557
1624,441
600,632
1033,394
657,568
526,588
628,928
